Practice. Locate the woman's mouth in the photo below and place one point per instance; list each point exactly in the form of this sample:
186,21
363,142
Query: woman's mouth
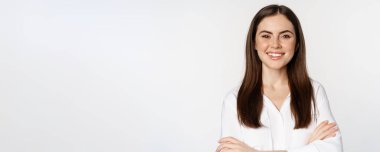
275,55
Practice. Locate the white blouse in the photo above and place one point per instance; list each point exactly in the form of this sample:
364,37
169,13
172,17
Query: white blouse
278,132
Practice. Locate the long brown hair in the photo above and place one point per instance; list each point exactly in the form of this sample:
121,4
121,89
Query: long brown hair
250,96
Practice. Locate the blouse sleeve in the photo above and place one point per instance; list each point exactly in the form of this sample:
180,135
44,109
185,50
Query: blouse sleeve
230,124
332,144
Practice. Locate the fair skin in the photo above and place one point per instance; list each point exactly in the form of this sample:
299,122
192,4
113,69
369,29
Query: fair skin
275,45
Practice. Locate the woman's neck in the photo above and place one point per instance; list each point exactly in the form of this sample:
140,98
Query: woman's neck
274,78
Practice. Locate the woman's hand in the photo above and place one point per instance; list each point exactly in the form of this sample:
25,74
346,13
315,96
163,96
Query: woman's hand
324,130
230,144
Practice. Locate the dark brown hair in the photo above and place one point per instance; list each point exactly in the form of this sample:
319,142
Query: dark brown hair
250,96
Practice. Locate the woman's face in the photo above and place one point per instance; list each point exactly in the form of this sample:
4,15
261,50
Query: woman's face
275,41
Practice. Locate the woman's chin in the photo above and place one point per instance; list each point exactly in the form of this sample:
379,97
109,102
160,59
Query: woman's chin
274,66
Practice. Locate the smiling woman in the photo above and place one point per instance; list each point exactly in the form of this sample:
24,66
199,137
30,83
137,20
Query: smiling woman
278,107
275,40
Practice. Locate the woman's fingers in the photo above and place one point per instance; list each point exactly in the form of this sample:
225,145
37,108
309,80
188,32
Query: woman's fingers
314,135
331,135
227,143
229,139
321,127
230,144
323,123
331,131
224,146
323,130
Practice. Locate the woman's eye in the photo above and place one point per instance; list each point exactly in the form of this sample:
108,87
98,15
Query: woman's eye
286,36
265,36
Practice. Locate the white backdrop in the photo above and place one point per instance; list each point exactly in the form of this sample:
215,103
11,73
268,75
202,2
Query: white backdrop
116,75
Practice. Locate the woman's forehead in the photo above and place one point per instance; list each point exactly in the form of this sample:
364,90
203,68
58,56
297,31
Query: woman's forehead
275,24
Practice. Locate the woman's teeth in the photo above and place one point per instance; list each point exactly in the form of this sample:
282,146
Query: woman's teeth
276,54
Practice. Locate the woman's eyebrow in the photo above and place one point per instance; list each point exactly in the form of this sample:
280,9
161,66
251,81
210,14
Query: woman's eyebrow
286,31
264,31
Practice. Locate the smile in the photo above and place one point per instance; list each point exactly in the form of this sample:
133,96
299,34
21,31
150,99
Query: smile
275,55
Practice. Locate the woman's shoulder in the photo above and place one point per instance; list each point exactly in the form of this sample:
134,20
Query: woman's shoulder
319,93
234,91
231,95
315,83
317,86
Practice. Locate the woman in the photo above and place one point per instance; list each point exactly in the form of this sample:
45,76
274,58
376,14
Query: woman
277,107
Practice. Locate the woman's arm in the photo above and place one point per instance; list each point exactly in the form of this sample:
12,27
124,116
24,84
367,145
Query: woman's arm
230,124
323,131
330,143
321,140
230,144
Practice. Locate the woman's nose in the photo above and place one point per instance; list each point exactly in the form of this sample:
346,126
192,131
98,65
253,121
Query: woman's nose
275,44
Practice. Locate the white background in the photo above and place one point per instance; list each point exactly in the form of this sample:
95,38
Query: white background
144,76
